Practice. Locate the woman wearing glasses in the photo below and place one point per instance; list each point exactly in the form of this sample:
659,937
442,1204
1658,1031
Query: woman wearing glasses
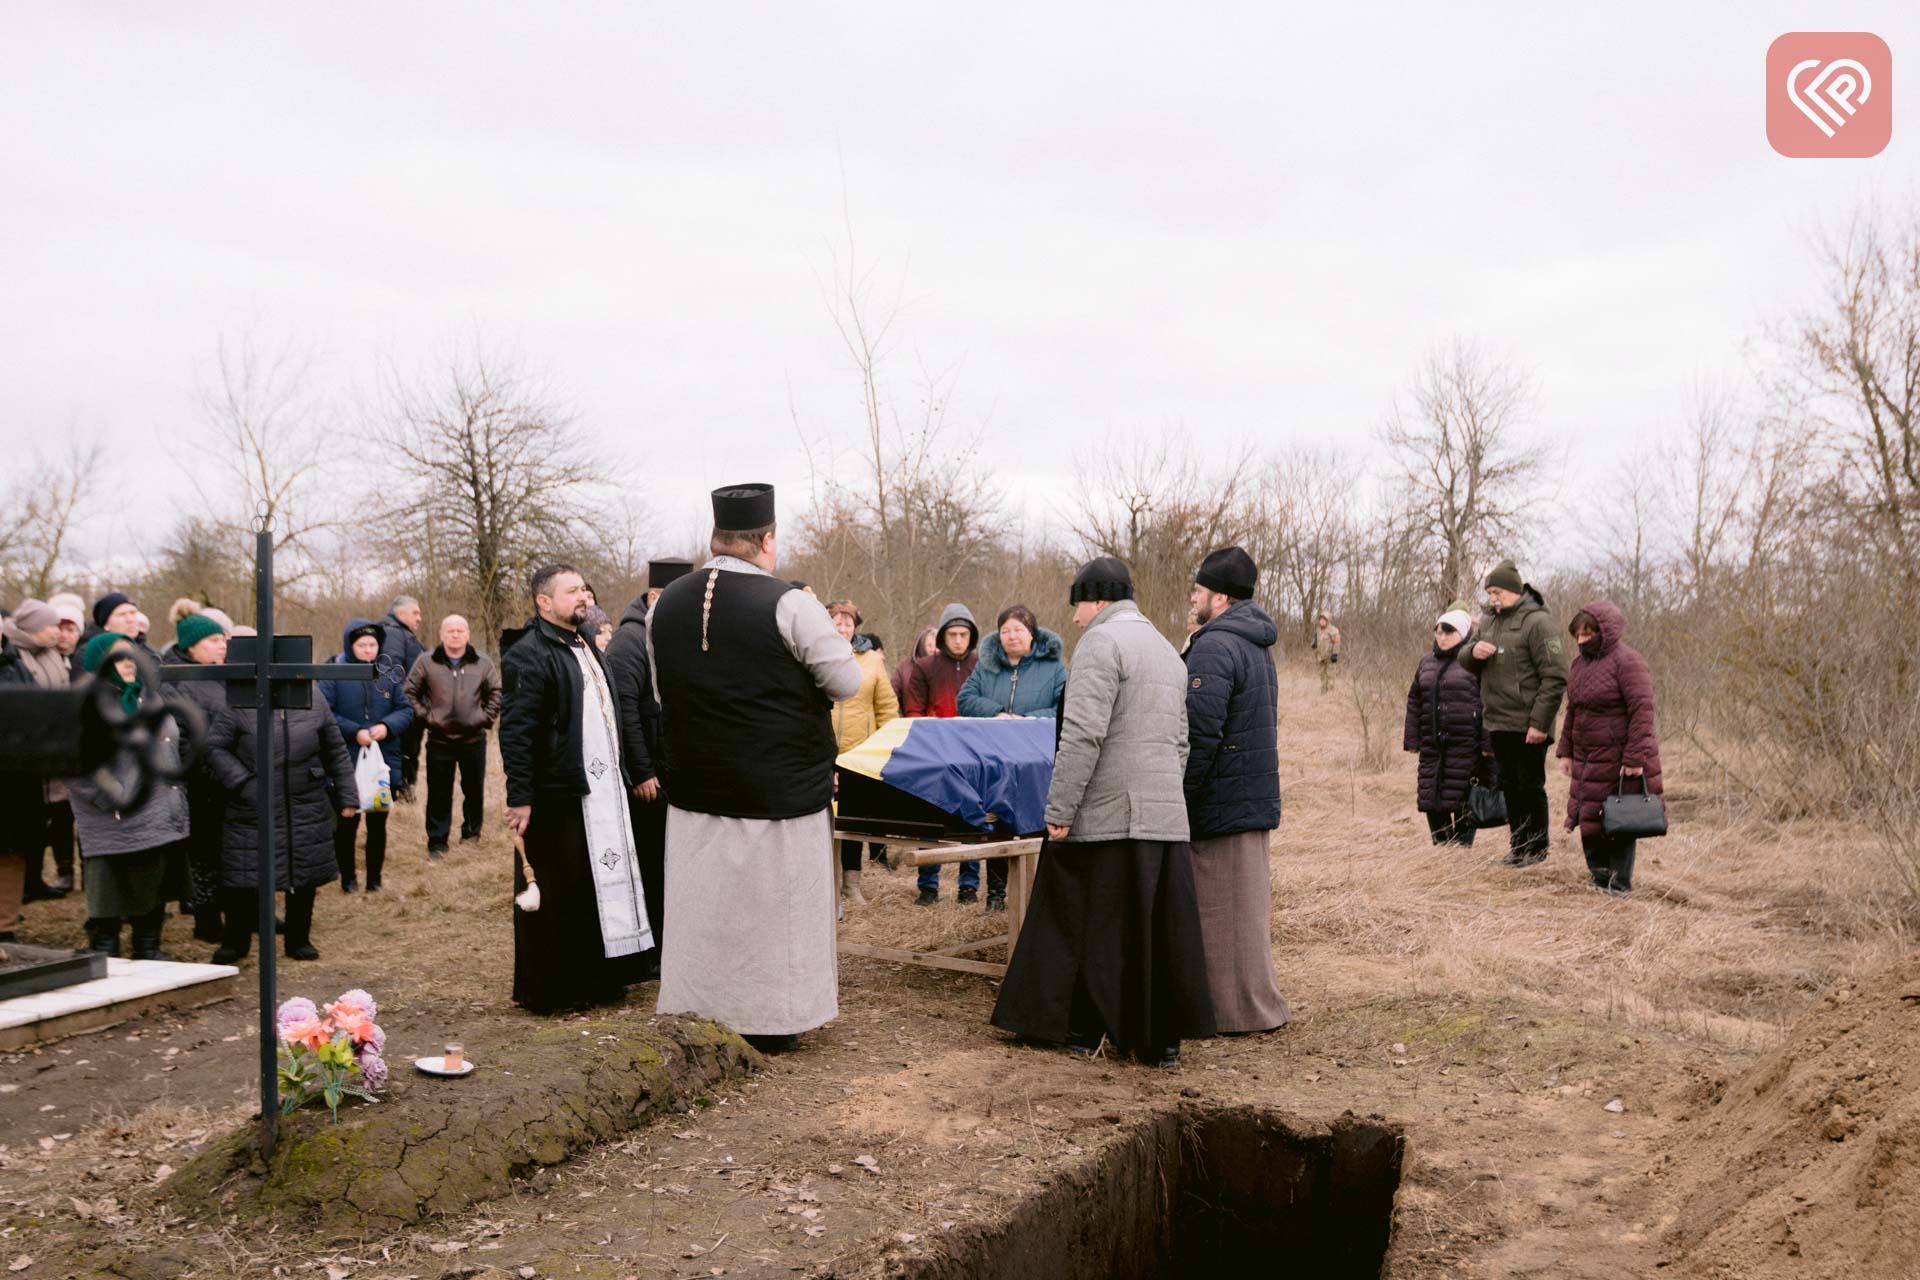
1444,729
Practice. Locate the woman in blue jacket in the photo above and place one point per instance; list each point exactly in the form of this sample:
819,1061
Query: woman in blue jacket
369,712
1020,673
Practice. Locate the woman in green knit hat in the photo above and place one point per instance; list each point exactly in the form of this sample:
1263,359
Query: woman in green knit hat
134,859
200,639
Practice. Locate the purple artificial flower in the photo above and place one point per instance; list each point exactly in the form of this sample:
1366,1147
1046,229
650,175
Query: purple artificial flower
362,999
379,1041
298,1009
373,1070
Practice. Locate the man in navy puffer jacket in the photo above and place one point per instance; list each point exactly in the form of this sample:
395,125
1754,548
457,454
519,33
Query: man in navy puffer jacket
1233,788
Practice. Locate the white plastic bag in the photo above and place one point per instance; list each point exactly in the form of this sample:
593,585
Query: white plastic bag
375,782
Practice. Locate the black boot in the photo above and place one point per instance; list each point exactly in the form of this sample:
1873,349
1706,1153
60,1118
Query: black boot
299,944
1623,869
103,935
146,935
239,907
206,923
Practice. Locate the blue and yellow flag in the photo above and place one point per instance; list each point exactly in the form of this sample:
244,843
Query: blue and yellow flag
991,774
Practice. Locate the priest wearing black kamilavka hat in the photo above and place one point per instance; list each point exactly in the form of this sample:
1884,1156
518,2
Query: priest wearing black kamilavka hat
631,671
1111,949
747,669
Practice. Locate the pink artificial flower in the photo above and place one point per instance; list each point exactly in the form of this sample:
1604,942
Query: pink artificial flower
314,1033
295,1009
361,1000
358,1026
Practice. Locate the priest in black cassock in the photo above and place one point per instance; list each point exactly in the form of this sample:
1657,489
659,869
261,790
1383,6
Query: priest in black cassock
747,669
641,747
567,798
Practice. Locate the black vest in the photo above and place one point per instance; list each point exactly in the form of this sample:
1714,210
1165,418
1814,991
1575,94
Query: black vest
749,734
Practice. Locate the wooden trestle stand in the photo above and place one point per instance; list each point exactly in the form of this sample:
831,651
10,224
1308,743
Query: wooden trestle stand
1024,858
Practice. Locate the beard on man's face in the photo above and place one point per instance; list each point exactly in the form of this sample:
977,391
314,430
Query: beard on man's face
579,615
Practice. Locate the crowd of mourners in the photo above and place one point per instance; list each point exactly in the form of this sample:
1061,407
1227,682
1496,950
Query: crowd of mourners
192,843
697,734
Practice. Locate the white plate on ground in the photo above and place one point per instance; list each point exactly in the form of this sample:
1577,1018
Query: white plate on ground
438,1067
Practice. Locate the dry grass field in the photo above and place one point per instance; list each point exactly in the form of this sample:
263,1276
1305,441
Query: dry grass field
1492,1012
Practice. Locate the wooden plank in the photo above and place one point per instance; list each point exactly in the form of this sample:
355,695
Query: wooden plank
925,960
1019,896
973,852
961,948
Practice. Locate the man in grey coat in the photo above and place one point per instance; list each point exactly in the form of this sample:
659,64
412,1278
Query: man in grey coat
1111,945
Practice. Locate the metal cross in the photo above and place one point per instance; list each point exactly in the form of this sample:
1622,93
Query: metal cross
268,673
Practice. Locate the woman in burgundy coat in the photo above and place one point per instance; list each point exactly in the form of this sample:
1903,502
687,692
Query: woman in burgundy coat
1607,737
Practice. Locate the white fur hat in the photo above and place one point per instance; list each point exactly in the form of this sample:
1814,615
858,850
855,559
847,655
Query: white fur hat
1458,619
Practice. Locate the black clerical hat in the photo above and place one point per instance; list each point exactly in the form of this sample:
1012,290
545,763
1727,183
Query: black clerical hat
1103,579
740,508
1230,571
661,572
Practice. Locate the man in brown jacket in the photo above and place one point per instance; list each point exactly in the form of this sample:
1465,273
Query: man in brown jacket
455,692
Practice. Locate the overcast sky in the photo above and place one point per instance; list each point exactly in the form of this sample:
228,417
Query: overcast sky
1249,221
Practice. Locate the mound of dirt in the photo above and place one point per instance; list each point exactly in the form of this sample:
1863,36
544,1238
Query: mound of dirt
1809,1166
438,1147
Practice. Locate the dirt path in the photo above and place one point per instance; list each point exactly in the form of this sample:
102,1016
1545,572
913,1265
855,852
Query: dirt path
1493,1013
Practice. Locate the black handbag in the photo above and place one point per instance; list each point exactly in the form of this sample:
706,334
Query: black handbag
1642,816
1487,804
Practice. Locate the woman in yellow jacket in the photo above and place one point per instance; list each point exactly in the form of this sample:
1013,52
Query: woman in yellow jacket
856,719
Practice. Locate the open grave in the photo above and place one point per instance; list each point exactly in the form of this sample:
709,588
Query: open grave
1201,1191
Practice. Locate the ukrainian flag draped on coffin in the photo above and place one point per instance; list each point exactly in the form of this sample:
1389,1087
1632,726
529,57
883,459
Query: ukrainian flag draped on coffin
990,774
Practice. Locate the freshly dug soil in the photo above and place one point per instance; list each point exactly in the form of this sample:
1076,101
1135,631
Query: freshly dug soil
1809,1164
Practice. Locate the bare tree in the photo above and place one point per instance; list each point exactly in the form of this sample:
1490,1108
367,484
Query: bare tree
37,519
1709,487
905,517
1152,504
488,457
1459,447
266,450
1629,531
1860,359
1302,529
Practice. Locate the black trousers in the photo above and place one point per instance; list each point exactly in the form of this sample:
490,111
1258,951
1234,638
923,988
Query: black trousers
1609,861
649,821
346,832
1523,779
410,752
59,838
443,759
850,854
1452,828
240,917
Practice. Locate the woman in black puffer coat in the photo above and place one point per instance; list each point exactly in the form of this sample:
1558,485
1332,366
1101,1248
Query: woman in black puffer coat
1444,728
308,755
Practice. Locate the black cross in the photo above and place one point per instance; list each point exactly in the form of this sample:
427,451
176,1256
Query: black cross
268,673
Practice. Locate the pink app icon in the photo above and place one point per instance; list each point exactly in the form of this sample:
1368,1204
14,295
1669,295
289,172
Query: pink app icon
1829,94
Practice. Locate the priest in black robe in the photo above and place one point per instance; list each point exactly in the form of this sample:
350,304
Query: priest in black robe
642,745
567,791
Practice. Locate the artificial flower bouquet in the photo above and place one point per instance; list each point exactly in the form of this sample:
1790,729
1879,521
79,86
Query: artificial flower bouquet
330,1054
